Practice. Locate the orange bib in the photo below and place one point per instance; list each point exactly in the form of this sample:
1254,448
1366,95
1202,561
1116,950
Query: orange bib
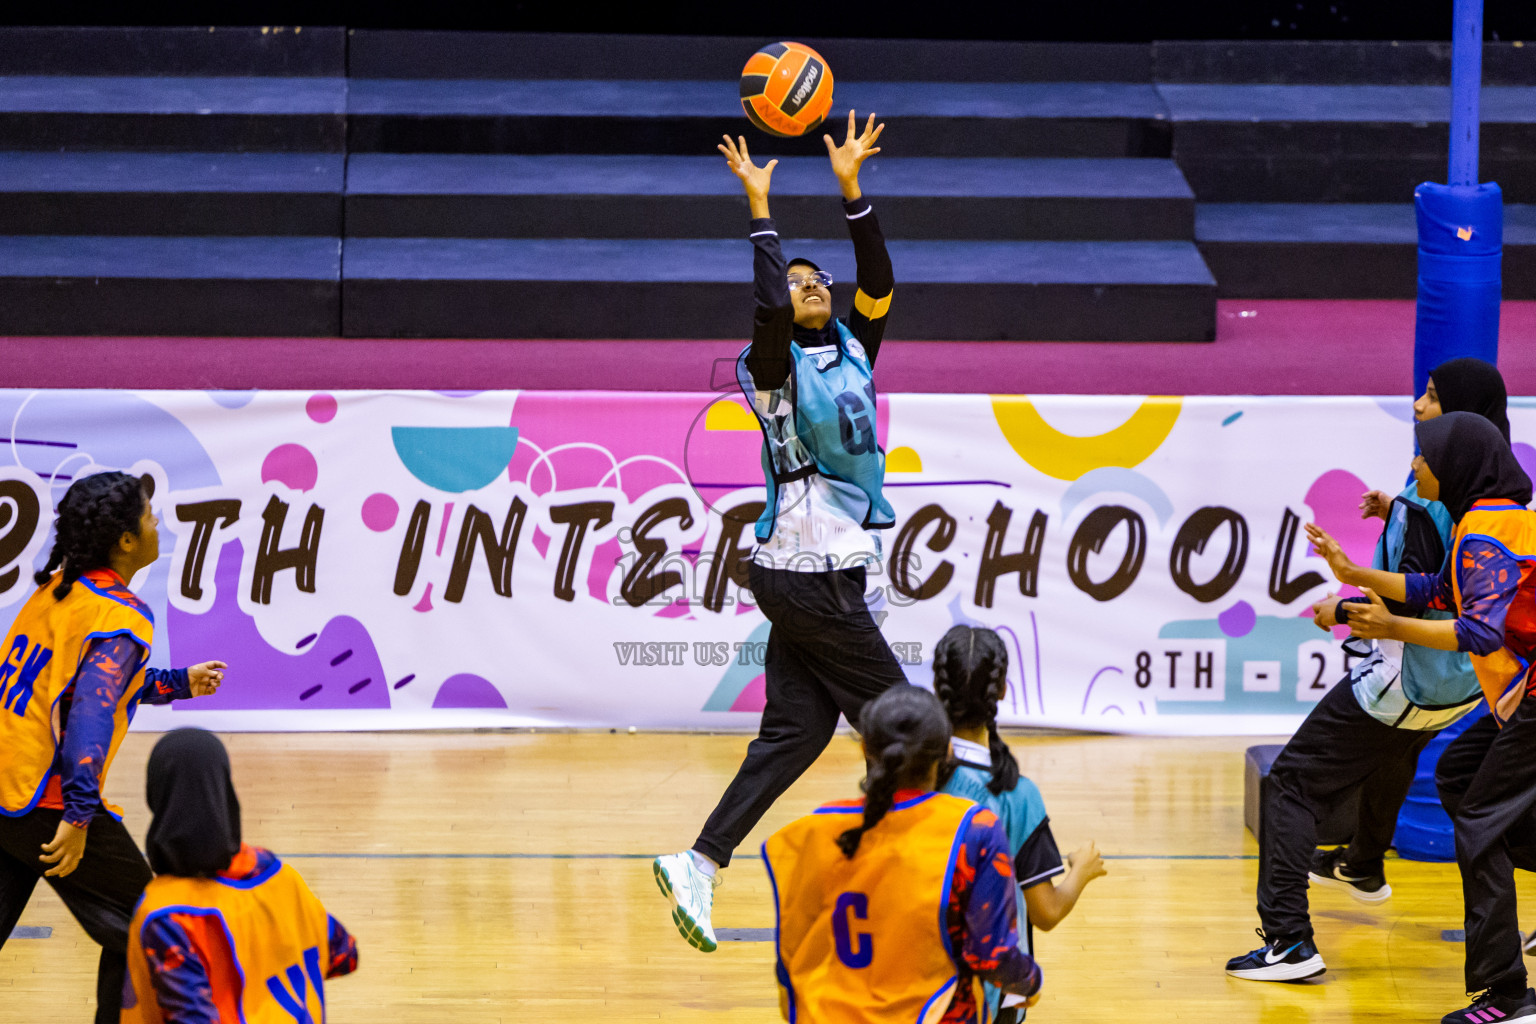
41,656
1504,674
866,939
265,942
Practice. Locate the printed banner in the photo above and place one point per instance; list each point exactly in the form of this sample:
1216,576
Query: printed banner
380,560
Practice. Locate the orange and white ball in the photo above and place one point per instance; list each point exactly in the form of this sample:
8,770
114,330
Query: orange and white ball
786,89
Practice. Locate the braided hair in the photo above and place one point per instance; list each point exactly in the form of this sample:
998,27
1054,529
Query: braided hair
95,513
970,669
905,734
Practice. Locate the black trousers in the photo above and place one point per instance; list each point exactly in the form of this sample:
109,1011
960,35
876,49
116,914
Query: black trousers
825,656
1338,749
1487,782
101,892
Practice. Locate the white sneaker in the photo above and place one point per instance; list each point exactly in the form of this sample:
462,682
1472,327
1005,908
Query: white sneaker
692,893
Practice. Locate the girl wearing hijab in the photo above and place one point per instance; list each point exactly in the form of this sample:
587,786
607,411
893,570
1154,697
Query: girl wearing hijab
1366,736
226,932
1457,385
1487,778
895,907
808,377
72,674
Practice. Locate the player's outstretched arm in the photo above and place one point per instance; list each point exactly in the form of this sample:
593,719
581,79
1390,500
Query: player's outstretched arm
1392,585
1048,902
773,317
876,279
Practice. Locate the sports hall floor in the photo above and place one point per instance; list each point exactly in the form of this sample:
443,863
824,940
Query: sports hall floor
500,877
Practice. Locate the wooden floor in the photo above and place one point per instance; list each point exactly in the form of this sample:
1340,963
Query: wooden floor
500,877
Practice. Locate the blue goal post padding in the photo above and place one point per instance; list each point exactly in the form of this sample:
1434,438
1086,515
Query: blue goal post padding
1461,239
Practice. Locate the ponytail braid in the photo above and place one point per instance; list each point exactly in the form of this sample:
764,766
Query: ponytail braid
93,516
905,734
970,675
880,787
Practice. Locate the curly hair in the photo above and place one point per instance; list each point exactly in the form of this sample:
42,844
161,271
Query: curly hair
970,667
95,513
905,734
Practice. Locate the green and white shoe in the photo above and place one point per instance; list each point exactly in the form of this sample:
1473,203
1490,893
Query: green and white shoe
692,893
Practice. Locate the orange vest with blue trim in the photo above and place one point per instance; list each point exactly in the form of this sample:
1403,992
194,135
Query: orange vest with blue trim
867,939
1505,675
42,654
265,942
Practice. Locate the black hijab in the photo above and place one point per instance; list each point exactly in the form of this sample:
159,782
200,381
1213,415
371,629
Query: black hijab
196,829
1472,461
1472,385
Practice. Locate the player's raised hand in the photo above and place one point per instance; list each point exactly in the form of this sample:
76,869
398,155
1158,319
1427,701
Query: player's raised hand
206,678
754,179
1341,564
1370,621
1375,504
850,156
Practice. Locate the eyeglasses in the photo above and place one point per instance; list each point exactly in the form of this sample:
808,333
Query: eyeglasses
820,277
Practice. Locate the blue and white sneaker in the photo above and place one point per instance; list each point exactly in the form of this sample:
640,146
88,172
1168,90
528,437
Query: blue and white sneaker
1279,959
692,893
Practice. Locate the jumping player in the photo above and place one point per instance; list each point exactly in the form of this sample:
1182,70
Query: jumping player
808,377
970,675
1366,736
226,931
72,676
1486,777
893,907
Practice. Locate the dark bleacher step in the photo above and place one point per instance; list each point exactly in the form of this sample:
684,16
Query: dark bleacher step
396,53
1343,143
1064,119
592,288
496,196
204,114
170,193
1337,251
52,284
1336,62
158,50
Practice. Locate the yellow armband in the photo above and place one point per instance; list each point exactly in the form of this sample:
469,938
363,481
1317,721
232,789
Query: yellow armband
872,309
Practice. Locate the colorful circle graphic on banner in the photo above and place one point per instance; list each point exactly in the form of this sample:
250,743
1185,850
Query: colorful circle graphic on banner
455,459
291,465
380,511
321,407
1067,456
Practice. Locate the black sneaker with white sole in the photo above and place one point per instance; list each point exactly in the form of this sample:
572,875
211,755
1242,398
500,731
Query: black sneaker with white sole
1495,1009
1328,868
1279,959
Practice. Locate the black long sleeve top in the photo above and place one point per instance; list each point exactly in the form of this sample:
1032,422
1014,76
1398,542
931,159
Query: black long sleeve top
773,319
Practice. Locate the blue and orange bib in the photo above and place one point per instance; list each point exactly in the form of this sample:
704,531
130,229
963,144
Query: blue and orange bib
867,939
42,653
265,942
1505,674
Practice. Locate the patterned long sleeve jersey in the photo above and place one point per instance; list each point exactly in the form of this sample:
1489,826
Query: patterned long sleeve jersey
983,920
1489,580
86,714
